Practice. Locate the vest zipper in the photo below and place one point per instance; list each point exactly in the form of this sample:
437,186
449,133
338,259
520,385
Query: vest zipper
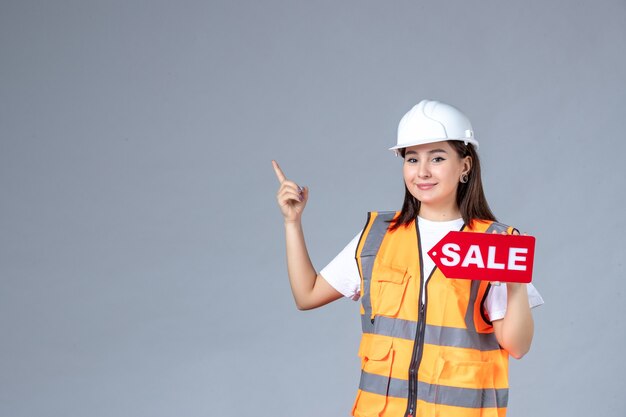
418,350
416,358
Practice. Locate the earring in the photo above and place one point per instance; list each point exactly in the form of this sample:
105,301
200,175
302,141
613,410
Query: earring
464,178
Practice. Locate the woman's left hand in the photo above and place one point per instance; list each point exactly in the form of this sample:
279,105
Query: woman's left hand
515,233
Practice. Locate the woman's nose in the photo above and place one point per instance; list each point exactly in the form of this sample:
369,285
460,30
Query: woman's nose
423,171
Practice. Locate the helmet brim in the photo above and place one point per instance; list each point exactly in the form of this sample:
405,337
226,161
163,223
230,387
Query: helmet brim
433,140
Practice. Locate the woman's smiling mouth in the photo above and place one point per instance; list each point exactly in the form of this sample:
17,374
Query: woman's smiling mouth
426,186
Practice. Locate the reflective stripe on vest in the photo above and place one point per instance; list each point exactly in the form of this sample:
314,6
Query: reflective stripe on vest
440,394
434,335
462,364
374,232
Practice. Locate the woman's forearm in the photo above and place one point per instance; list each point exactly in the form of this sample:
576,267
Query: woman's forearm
302,275
515,330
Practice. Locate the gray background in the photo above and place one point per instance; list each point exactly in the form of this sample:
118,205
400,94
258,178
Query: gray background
142,267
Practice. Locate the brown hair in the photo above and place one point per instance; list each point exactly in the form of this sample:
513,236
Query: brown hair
470,196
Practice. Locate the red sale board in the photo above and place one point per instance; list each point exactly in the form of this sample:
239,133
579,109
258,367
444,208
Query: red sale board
485,256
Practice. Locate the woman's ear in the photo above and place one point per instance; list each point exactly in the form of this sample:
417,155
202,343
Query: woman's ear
467,164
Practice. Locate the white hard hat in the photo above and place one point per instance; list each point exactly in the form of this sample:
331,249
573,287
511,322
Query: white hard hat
433,121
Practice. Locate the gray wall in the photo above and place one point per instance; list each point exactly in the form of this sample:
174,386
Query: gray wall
142,266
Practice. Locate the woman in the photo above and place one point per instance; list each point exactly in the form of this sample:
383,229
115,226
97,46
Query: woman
430,345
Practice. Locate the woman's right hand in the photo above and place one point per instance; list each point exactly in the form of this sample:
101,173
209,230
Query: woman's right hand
291,197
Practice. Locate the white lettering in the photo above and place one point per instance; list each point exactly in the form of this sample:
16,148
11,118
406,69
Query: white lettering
450,250
514,258
491,259
473,257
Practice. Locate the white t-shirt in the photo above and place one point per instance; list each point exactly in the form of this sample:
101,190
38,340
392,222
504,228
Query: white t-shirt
342,273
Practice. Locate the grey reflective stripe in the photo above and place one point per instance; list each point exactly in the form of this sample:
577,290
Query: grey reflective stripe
368,254
367,324
434,335
497,227
387,326
452,336
378,384
435,394
377,233
462,397
367,263
469,313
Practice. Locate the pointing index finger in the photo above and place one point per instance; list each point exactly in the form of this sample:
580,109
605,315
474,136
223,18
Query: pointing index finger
279,172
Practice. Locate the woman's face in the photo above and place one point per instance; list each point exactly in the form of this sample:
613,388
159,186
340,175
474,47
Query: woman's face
432,173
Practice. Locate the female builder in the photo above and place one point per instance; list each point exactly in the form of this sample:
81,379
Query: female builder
431,346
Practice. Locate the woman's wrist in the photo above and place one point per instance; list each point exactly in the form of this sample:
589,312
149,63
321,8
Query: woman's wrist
514,286
295,222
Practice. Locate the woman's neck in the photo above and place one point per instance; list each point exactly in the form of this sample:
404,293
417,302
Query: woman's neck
439,214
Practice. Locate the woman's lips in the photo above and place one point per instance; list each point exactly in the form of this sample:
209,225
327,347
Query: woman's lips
425,186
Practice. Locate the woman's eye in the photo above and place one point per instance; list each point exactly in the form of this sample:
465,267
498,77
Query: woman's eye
411,160
438,159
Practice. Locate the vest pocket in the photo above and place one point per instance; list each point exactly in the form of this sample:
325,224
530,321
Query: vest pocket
377,361
389,283
379,350
467,384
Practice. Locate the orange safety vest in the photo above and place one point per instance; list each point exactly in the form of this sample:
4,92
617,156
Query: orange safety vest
437,358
